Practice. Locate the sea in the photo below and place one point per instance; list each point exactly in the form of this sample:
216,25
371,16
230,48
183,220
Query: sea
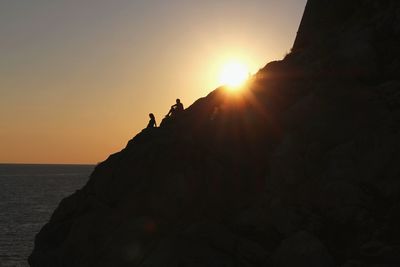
29,193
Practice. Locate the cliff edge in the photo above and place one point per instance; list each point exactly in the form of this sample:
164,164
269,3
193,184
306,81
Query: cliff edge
300,169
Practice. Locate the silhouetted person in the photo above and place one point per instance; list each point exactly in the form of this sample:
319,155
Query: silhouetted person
175,109
152,122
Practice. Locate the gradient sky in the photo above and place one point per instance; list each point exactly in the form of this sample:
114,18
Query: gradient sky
79,77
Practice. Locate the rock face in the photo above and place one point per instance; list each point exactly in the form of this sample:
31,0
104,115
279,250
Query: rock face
368,32
301,169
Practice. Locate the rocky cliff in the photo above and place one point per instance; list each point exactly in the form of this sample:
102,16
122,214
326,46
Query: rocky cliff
300,169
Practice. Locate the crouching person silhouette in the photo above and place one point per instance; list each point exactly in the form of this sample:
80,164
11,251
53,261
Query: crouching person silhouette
175,109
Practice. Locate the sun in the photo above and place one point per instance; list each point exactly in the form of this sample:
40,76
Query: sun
234,74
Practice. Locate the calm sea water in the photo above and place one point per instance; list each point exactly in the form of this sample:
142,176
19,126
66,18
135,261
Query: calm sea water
28,196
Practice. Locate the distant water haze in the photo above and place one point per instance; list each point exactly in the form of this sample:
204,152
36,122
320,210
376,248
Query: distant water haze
79,78
29,195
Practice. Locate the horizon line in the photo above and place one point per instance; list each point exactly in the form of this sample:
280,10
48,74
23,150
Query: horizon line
30,163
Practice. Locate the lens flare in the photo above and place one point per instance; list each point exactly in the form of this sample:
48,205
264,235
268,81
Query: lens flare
234,74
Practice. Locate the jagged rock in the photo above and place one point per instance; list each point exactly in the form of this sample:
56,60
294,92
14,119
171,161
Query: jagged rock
304,162
352,263
377,252
302,249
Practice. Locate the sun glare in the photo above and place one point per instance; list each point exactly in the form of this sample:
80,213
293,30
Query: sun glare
234,74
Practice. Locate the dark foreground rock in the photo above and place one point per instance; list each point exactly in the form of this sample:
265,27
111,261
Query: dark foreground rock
301,169
302,249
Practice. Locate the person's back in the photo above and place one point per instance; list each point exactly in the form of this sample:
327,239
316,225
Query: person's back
152,122
179,107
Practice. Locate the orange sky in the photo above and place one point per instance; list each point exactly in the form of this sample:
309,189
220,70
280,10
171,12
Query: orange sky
78,78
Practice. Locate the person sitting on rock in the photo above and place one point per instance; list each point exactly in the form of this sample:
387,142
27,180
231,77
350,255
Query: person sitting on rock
175,109
152,122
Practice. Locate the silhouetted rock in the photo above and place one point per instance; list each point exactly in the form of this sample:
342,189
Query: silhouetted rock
302,249
301,169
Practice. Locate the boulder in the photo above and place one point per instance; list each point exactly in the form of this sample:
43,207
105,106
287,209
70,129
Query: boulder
302,249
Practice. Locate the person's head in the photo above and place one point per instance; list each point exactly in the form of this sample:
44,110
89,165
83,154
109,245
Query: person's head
178,101
151,115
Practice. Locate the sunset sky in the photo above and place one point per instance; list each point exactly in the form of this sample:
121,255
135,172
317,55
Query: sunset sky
79,77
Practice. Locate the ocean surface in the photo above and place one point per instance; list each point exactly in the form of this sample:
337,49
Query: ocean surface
28,196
